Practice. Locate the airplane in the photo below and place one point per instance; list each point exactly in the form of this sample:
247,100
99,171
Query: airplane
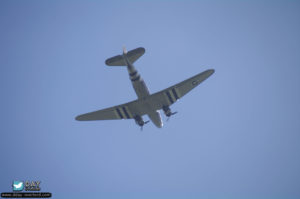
146,104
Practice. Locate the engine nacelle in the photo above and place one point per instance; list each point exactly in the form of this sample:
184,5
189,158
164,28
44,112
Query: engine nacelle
167,111
139,120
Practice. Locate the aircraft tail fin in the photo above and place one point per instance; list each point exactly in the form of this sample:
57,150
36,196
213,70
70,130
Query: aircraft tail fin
132,56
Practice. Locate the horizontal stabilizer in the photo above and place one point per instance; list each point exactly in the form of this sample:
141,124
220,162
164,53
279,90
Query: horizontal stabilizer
116,61
132,56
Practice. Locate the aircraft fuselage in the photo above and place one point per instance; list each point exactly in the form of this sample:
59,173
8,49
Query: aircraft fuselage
142,91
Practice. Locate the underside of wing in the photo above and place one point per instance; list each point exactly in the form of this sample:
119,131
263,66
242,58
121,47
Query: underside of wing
156,101
170,95
123,111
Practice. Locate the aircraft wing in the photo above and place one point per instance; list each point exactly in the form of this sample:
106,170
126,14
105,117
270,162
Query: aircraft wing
123,111
170,95
155,101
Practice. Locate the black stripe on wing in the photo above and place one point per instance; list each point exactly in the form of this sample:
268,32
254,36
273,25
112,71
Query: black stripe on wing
124,110
119,113
169,97
175,94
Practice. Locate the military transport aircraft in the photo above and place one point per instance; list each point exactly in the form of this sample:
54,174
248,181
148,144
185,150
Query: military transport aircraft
146,104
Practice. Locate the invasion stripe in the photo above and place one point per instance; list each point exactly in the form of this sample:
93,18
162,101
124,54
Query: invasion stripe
133,73
175,94
125,112
172,95
119,113
128,111
137,78
170,98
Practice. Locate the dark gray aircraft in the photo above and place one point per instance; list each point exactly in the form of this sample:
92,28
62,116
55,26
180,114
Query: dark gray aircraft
146,104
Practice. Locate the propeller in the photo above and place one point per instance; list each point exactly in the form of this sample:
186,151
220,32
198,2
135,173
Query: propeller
174,113
144,124
170,115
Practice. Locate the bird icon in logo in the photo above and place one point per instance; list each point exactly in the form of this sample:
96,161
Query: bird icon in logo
18,185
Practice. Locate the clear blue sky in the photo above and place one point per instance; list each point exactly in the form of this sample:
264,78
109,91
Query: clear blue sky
237,135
